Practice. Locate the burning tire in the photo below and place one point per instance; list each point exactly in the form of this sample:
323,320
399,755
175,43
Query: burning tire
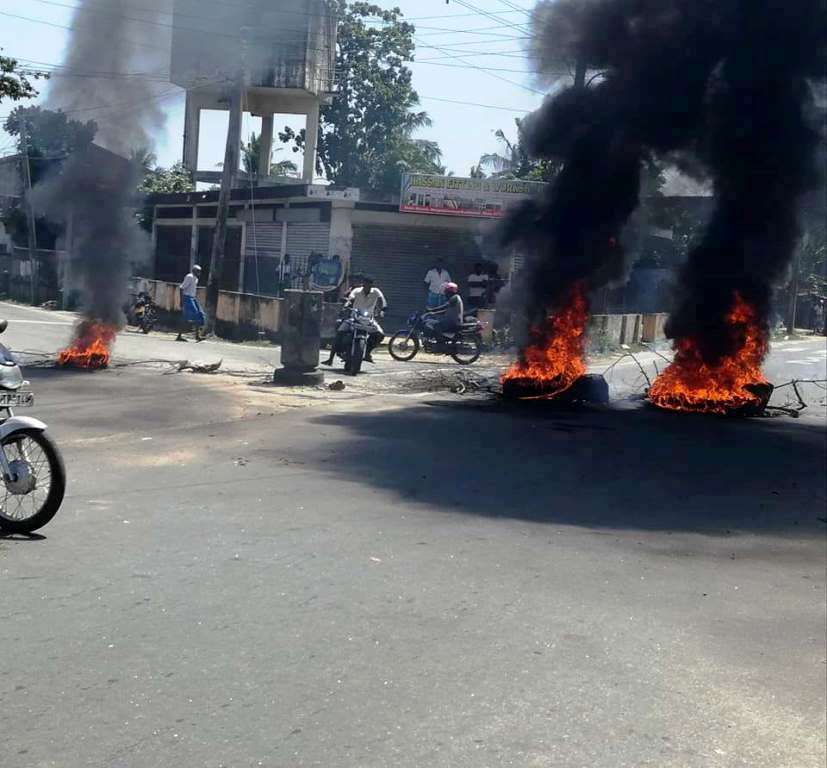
33,494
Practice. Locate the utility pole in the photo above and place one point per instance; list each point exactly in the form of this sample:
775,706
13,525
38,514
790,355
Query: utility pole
231,158
30,220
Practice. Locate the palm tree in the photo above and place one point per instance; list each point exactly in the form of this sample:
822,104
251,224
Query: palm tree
249,158
144,158
514,162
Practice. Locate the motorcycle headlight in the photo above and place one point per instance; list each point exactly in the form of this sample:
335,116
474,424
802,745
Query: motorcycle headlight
10,375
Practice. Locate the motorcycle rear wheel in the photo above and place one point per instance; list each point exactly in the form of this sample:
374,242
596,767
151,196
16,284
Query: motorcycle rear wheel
147,322
402,348
40,465
467,349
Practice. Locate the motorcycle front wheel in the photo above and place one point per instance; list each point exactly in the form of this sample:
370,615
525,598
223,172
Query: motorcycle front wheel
354,365
31,497
467,349
403,348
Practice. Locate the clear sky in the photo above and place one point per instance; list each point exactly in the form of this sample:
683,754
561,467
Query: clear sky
468,51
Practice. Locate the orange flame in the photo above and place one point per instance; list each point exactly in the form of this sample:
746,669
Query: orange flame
90,349
689,384
557,358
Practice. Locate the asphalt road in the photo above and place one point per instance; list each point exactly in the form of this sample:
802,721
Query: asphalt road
43,333
242,577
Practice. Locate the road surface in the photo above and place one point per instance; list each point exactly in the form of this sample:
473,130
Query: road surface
243,577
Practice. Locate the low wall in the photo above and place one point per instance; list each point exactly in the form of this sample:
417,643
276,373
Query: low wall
609,327
652,327
244,312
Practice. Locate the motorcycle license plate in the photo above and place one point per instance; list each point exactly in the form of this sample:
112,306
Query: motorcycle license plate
16,399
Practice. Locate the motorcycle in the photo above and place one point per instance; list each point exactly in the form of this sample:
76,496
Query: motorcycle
34,478
465,346
352,334
144,313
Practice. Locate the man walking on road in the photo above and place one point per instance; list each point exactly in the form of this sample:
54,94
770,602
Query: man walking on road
191,309
436,277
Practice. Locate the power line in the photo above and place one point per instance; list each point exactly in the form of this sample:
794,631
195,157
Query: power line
491,74
492,16
516,7
474,104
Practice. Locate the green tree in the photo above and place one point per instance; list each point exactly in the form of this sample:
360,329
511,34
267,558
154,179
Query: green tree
159,180
249,159
14,84
366,137
515,162
47,135
144,158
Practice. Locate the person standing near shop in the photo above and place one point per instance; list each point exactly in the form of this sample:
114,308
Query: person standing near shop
435,278
477,288
284,274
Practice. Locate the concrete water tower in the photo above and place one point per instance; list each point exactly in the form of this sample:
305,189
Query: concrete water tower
282,53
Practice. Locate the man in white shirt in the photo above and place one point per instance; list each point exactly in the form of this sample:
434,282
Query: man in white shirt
193,314
477,287
365,299
284,274
435,278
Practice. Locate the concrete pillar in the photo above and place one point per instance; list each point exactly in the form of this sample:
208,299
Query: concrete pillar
341,232
192,127
310,141
265,146
194,237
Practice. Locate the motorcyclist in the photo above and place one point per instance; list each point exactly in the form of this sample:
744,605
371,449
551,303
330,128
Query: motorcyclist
446,318
367,299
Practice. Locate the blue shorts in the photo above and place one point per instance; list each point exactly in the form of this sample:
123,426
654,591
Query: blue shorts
193,312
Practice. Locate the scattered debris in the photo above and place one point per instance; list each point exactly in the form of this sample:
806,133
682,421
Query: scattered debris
186,365
241,461
795,410
50,305
336,386
637,362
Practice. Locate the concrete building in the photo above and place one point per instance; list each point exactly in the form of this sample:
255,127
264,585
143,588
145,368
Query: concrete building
282,53
267,223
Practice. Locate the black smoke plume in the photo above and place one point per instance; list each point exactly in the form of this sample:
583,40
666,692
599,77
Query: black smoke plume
116,59
723,82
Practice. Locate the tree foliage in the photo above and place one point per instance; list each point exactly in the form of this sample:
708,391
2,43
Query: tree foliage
249,159
366,137
514,162
15,85
47,135
159,180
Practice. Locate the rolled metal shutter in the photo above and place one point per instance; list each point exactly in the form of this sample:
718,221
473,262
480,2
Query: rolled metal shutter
302,239
263,249
398,257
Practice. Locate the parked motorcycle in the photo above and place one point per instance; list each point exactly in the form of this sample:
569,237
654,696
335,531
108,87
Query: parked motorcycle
354,330
144,313
465,346
34,478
